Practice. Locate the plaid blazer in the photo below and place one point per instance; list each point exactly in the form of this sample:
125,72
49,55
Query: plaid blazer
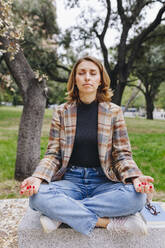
113,144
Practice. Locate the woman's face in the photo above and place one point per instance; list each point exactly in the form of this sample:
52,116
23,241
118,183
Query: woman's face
87,78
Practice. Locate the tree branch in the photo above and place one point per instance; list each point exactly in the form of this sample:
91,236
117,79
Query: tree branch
137,86
102,36
127,24
133,96
64,68
120,9
107,19
137,9
19,68
1,58
56,78
141,38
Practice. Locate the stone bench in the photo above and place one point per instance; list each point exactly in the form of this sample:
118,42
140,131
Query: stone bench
31,235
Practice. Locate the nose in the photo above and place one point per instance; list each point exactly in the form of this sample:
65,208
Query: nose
87,76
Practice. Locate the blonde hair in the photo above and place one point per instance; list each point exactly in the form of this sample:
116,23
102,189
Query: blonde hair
104,93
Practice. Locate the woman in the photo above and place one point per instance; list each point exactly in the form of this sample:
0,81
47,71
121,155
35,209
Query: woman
88,177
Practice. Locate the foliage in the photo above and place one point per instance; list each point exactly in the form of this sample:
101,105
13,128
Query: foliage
149,66
56,93
39,43
160,98
9,30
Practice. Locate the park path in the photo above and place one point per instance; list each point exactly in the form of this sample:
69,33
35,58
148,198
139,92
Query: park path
11,212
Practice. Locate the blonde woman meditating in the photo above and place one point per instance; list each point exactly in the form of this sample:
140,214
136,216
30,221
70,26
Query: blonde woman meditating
87,177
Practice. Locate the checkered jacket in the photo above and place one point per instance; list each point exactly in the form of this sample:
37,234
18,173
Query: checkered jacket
113,144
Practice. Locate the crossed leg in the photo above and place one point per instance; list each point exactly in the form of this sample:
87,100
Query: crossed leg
63,201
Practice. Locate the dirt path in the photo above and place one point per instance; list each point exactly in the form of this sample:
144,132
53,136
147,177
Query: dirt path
11,212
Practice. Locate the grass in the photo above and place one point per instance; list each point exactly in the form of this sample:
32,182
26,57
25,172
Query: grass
147,139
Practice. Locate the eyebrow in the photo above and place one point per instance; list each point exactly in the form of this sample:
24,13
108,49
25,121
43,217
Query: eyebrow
82,69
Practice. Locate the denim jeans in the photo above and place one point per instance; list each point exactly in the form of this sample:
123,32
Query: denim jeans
83,195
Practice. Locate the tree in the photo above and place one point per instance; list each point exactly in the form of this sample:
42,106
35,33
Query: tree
160,98
40,48
133,96
32,87
127,18
150,69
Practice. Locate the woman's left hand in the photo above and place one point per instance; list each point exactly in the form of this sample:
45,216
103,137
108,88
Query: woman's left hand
143,184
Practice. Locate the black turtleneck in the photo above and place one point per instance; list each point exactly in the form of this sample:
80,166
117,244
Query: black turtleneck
85,149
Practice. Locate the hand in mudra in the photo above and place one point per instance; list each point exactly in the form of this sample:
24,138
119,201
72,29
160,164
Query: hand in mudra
144,184
30,186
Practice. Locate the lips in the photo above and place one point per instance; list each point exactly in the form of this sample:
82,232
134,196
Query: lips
87,84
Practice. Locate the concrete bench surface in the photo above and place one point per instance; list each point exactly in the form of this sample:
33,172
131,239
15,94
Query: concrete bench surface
31,235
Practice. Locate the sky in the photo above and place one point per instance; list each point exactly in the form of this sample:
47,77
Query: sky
67,17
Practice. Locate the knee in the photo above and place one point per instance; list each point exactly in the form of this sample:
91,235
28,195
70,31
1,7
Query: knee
134,201
140,201
34,201
137,202
39,199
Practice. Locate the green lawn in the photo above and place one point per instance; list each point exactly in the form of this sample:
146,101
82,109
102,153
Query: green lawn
147,140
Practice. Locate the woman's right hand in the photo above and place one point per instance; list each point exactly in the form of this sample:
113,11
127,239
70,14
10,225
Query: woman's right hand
30,186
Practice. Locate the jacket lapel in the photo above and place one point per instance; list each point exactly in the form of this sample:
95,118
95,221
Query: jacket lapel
70,119
104,128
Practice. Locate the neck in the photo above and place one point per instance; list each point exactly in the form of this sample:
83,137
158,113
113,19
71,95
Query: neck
87,98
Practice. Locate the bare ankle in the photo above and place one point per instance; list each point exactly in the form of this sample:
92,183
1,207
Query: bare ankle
102,222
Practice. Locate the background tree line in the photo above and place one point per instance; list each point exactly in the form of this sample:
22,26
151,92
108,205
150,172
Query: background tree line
30,62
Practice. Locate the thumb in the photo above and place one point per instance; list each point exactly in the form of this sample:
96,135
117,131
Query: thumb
150,179
24,183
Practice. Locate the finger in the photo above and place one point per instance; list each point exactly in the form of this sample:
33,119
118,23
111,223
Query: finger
149,179
146,189
142,186
23,184
137,184
138,187
151,188
30,190
35,189
26,191
21,192
143,189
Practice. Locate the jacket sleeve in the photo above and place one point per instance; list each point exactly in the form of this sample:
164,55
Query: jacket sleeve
52,159
124,165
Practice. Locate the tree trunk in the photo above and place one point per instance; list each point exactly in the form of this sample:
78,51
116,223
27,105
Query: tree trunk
32,91
113,77
134,94
149,107
28,146
118,93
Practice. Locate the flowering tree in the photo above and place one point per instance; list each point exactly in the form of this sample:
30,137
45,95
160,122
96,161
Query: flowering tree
32,87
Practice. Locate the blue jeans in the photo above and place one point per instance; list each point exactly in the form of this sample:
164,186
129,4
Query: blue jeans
83,195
